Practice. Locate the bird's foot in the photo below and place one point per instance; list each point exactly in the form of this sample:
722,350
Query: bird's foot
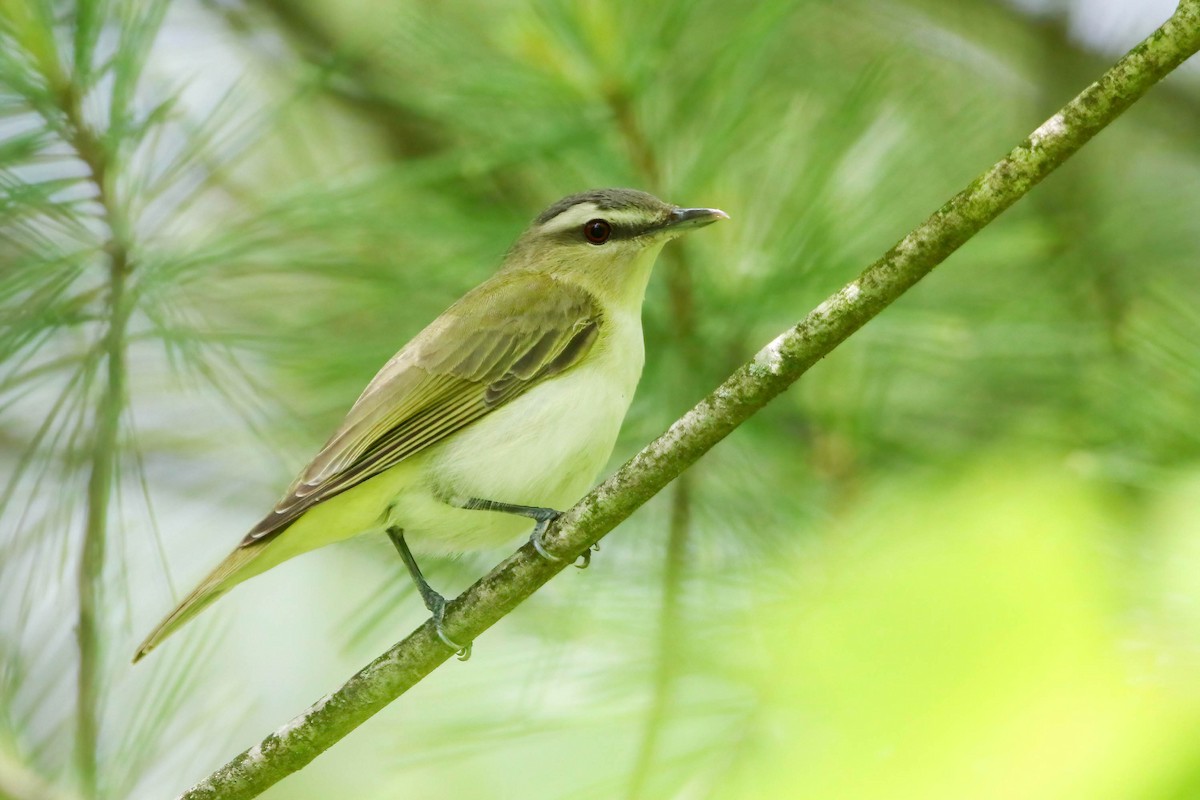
544,517
585,558
437,606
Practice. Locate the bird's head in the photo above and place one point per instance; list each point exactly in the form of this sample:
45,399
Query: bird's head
605,239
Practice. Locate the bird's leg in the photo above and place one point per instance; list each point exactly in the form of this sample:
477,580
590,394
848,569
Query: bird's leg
542,517
433,601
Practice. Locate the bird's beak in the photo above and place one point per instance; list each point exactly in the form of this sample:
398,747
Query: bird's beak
685,219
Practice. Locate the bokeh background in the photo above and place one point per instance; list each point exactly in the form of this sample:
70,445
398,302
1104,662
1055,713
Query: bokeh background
961,558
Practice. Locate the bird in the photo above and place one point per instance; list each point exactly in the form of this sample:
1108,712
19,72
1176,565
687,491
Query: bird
501,411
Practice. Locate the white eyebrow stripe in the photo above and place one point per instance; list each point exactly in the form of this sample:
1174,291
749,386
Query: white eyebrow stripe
576,216
573,217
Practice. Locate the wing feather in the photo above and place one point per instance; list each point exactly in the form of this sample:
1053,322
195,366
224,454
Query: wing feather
506,336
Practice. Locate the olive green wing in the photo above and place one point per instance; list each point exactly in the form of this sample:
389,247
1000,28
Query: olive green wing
507,335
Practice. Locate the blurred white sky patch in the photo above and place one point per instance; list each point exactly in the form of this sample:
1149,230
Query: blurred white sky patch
196,52
1108,26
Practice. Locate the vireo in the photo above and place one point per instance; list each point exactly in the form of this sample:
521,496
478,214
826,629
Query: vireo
504,408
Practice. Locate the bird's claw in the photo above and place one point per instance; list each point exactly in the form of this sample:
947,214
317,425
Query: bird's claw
439,612
539,530
586,557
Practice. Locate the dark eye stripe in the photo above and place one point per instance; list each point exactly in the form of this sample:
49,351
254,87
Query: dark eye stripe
626,231
620,230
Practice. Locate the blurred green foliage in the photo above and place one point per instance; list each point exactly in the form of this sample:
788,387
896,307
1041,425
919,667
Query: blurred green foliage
981,639
956,560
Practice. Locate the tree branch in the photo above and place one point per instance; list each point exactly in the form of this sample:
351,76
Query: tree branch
769,373
350,77
102,459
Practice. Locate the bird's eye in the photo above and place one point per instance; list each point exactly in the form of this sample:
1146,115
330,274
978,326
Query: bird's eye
597,231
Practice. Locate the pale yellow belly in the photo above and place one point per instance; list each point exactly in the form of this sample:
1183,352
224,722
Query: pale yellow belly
546,448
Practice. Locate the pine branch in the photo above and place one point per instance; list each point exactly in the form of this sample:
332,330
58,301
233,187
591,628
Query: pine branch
65,110
752,386
103,456
350,77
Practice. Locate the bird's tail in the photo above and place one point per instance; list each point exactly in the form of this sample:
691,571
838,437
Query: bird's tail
237,567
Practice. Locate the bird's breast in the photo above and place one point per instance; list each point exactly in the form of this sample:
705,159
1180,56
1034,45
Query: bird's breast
547,447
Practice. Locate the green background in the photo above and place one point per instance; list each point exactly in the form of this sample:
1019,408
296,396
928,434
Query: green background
958,559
